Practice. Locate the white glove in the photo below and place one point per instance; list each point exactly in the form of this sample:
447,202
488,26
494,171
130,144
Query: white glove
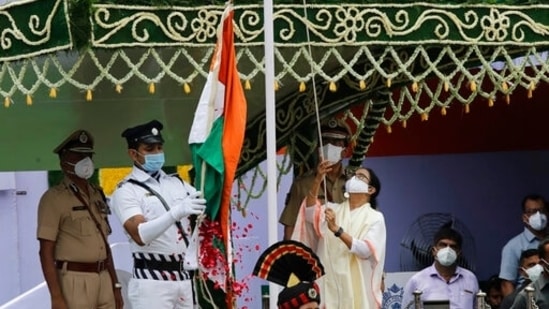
191,205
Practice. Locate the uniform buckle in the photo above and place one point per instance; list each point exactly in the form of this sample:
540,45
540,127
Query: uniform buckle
101,266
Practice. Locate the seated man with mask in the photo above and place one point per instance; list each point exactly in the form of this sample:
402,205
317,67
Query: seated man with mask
530,270
444,280
536,294
336,135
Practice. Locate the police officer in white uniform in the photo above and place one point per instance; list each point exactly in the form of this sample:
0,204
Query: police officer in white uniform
154,209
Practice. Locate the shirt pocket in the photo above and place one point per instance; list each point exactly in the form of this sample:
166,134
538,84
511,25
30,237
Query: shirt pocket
466,296
152,207
80,223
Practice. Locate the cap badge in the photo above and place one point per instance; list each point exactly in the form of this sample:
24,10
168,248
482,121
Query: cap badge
154,131
83,138
332,123
312,293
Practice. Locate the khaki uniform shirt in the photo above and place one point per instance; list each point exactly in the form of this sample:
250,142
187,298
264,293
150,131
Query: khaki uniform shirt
299,190
63,219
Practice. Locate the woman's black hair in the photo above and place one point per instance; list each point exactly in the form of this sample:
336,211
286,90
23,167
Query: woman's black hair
374,182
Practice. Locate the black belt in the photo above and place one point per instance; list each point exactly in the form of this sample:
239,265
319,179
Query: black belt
160,265
93,267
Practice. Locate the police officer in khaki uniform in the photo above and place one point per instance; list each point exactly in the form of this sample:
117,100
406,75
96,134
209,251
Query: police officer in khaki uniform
335,135
72,231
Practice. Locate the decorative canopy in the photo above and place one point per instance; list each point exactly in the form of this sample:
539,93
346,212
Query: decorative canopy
371,63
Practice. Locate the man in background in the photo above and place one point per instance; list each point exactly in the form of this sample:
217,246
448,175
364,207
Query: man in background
336,135
444,280
539,296
534,217
530,270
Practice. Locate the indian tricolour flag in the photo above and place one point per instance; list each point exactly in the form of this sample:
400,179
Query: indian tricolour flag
217,132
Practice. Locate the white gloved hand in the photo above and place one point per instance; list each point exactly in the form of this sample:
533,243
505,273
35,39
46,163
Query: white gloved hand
191,205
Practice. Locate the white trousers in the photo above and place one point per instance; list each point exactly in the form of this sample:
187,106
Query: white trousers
158,294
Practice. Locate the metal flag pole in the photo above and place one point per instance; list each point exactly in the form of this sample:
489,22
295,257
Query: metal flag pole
271,136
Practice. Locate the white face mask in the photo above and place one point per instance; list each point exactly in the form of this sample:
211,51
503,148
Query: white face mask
83,168
446,256
355,185
331,153
538,221
534,272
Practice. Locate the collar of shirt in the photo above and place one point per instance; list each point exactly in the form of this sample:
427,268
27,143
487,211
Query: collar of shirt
529,235
69,184
434,273
142,176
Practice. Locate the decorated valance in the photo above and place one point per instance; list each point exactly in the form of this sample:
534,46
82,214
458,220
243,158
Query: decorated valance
379,56
30,28
329,25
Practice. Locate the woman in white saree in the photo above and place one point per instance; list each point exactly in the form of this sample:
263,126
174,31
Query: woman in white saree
349,238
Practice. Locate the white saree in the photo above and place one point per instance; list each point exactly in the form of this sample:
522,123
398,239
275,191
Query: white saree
351,282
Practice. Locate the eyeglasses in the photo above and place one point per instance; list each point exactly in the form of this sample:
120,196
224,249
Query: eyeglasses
360,176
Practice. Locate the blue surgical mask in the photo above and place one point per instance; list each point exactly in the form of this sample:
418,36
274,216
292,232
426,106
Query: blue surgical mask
153,162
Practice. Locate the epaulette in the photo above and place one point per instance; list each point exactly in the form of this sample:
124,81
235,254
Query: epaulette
120,184
176,175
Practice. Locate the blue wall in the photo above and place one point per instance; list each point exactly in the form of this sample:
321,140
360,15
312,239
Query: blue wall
483,190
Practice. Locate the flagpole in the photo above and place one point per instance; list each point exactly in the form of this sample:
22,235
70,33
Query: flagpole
271,136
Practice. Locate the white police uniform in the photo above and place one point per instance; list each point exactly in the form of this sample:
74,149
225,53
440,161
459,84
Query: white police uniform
159,280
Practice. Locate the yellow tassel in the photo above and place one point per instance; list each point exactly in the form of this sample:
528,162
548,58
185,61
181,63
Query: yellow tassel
333,87
118,88
415,87
186,88
443,111
29,100
490,102
473,86
467,109
504,87
89,96
302,87
389,83
362,84
389,129
53,93
446,86
424,116
531,89
276,86
404,123
7,102
247,85
152,88
508,99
